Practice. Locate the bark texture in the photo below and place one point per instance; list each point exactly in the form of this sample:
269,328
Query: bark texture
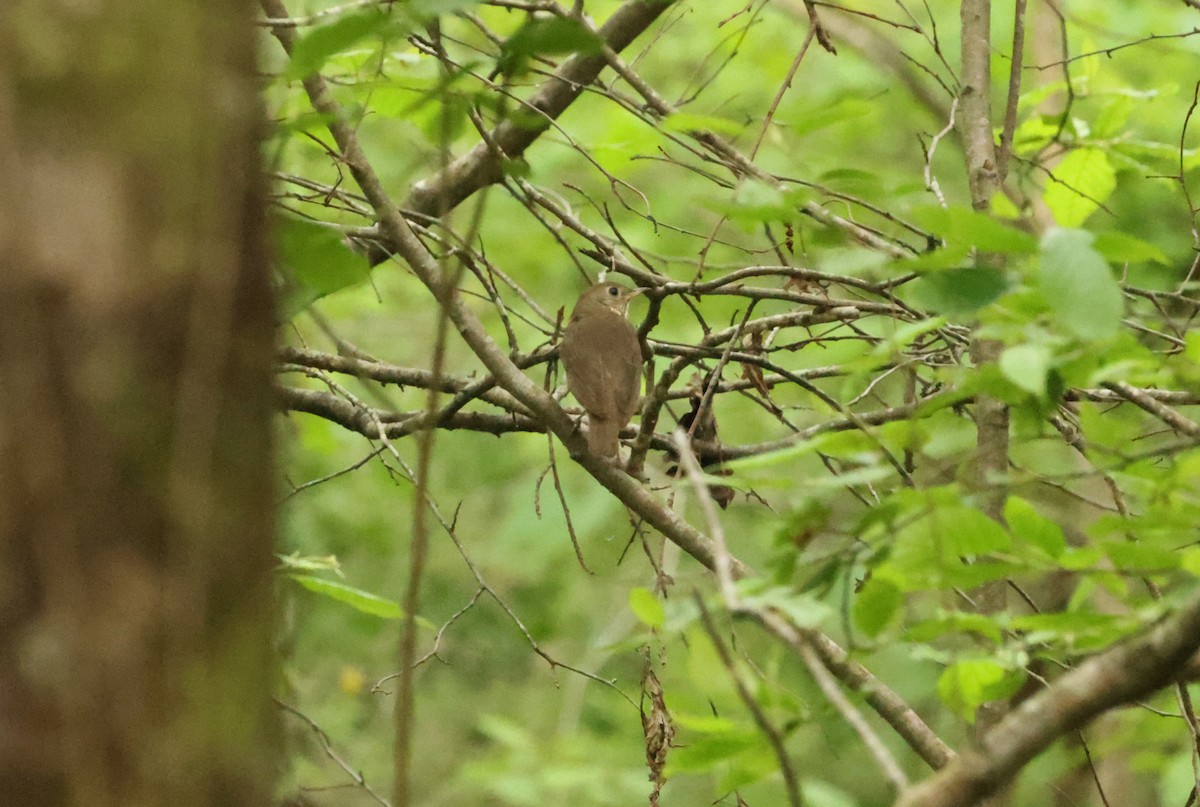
135,406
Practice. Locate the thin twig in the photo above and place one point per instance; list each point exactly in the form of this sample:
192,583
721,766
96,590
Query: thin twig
883,757
774,739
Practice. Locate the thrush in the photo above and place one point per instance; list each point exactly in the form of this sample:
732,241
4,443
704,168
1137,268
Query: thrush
603,360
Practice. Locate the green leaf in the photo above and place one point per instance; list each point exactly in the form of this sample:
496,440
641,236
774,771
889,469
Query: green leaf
842,110
960,290
706,752
1079,286
1131,557
646,607
705,669
752,765
686,122
956,622
849,177
1080,558
969,683
971,532
963,227
721,745
357,599
1123,248
705,724
1033,134
1113,115
970,575
758,462
930,552
295,562
1075,628
950,435
679,614
755,202
1189,560
1002,207
1192,349
315,48
817,793
546,36
803,609
876,605
1027,366
900,339
1036,96
426,10
1085,180
1027,524
317,261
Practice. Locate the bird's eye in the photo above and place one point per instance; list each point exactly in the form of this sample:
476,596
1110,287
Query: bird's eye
613,291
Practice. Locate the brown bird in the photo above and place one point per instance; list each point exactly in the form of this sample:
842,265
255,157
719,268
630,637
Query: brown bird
603,360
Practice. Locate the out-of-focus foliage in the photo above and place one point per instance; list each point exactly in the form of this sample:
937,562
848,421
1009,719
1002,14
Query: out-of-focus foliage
1091,287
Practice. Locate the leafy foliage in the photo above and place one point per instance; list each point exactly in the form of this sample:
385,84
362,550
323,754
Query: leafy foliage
848,439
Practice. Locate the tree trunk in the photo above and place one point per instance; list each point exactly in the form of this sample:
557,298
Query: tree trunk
135,405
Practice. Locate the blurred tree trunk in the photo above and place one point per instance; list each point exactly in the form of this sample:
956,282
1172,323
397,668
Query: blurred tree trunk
135,434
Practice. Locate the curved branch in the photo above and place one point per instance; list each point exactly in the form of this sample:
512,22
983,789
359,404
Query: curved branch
367,422
507,375
886,703
1123,674
481,166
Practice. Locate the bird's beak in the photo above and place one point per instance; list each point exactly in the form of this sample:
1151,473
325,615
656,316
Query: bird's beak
635,292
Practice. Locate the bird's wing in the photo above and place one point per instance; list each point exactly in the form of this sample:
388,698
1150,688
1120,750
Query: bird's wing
610,372
629,370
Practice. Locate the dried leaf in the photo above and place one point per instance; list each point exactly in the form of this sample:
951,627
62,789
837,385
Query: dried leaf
656,728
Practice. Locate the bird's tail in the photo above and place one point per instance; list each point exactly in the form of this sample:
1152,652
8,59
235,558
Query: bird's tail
602,437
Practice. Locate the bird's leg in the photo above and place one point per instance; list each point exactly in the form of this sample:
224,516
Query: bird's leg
579,429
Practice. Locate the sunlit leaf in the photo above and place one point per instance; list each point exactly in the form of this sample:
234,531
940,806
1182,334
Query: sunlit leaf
1124,248
312,50
646,607
955,622
1113,115
316,261
959,291
430,9
295,562
1079,286
1136,557
357,599
1027,366
844,109
969,683
1083,182
546,36
960,226
876,605
1027,524
756,202
803,609
686,122
749,766
706,751
1189,560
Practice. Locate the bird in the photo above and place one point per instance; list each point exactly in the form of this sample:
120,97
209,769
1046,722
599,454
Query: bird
603,359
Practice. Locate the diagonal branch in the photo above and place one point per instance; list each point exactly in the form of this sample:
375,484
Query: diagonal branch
1122,674
507,375
886,703
1160,410
482,165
